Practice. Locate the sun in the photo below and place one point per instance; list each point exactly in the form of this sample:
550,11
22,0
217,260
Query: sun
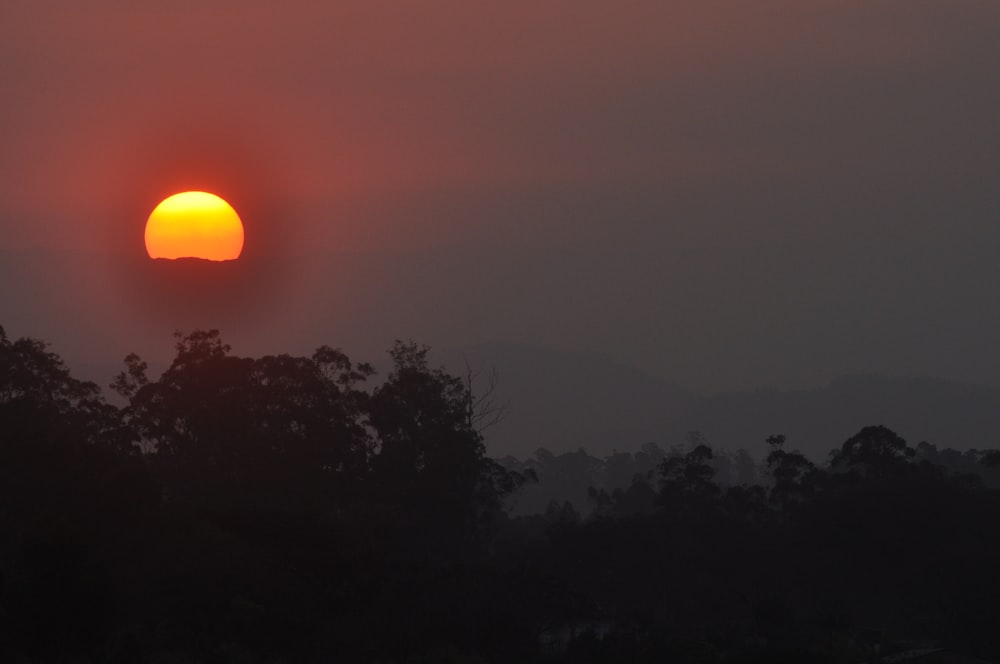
194,224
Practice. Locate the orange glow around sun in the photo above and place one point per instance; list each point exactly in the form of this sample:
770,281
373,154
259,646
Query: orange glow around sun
194,224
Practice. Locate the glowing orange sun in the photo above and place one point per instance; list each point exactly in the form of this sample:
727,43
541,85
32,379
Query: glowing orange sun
194,224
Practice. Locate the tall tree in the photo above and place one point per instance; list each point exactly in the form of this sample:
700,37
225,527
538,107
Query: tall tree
430,455
874,452
40,400
686,480
273,425
794,475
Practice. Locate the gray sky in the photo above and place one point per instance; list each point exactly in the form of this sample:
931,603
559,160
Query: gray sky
730,194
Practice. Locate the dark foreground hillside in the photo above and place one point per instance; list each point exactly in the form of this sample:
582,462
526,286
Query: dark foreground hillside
302,509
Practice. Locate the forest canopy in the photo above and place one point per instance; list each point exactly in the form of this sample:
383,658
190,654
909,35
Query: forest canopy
289,508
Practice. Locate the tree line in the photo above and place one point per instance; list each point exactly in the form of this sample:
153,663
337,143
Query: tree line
303,509
581,482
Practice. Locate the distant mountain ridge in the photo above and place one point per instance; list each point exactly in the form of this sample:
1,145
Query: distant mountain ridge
941,412
564,400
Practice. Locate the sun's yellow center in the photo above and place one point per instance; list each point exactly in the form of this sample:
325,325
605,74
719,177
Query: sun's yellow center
194,224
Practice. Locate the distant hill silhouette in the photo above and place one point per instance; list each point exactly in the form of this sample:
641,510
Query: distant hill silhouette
946,413
565,400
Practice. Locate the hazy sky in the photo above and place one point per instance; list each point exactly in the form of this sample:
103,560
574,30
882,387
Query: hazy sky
728,193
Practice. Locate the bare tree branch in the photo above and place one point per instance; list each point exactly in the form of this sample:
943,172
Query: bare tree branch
483,409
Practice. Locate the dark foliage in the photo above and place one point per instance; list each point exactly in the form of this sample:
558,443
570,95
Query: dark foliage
294,509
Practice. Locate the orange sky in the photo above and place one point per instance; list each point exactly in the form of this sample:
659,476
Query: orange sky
731,193
322,109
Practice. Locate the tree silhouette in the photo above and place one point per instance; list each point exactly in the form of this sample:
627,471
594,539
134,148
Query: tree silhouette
430,453
794,475
873,452
40,400
288,508
244,427
686,481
